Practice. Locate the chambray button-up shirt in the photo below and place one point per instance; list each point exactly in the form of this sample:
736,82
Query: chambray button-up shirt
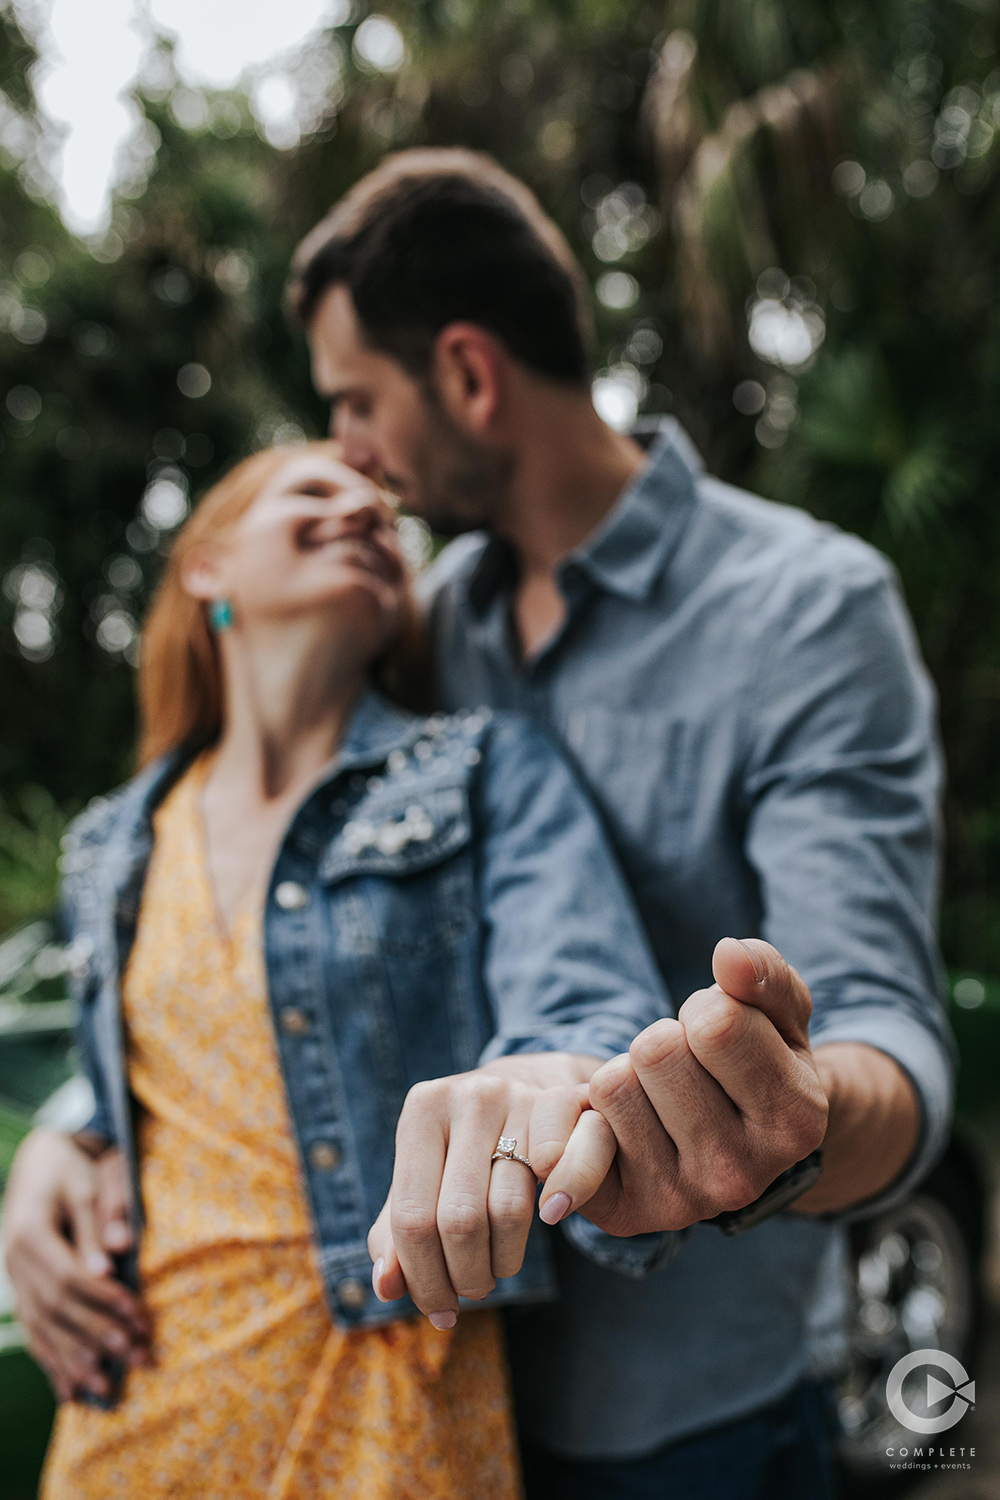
740,687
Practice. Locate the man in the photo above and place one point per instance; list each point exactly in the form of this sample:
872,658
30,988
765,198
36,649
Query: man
740,688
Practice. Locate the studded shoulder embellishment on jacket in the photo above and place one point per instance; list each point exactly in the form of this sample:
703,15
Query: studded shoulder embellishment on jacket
392,834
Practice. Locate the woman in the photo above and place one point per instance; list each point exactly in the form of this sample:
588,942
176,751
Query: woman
307,902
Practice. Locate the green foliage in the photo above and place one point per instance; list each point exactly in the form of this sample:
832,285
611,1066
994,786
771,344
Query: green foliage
31,825
730,123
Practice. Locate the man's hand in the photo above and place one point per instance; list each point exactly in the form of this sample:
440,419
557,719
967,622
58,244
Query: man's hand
454,1221
707,1109
64,1216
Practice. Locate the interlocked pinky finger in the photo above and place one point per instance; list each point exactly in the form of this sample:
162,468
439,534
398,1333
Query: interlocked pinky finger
585,1163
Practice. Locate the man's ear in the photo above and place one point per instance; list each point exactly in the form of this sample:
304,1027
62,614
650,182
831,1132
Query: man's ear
468,370
201,574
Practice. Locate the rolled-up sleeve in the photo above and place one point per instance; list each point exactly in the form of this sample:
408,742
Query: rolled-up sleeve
842,793
567,964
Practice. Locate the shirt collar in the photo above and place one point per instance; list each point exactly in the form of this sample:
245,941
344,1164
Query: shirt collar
629,550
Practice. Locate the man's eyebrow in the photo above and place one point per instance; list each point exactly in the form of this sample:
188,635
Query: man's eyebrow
336,393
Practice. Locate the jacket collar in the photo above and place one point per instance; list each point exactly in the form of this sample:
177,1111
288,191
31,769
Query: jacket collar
376,726
626,555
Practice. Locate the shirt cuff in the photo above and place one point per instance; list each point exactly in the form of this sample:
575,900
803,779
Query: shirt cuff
926,1059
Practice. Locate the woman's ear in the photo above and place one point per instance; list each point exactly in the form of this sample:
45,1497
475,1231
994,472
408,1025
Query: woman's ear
201,574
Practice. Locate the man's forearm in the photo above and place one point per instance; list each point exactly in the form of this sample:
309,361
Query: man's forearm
873,1129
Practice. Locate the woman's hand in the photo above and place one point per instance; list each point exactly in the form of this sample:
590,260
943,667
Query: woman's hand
64,1215
454,1220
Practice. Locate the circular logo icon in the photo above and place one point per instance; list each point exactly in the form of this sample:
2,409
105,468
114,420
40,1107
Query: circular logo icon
962,1391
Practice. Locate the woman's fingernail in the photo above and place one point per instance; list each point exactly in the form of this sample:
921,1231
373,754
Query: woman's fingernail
117,1236
443,1321
556,1208
759,972
97,1264
377,1270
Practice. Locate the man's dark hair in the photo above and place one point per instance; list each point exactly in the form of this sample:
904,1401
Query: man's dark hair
433,237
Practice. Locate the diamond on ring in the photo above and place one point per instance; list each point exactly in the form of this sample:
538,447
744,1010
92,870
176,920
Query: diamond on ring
507,1151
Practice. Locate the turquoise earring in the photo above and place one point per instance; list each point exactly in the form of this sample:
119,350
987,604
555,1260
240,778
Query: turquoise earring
220,614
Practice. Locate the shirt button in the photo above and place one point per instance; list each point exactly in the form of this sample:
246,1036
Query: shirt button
294,1021
352,1294
291,896
324,1156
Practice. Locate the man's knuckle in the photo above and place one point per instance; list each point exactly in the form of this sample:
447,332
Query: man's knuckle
725,1181
800,1123
694,1002
663,1042
623,1222
613,1083
716,1020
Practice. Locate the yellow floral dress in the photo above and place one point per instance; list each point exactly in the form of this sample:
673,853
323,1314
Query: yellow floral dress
254,1392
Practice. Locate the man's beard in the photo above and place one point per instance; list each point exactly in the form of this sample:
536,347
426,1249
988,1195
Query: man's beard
462,485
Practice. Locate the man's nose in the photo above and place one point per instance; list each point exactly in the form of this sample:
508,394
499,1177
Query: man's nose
363,511
356,453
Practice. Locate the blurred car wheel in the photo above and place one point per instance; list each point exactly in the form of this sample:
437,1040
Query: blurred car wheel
916,1285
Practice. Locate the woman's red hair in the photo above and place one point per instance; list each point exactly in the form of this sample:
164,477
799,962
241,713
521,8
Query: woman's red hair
180,674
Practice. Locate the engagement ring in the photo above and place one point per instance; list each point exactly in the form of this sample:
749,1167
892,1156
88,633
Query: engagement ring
507,1151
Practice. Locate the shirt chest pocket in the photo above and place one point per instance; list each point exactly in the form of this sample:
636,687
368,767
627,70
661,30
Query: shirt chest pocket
642,765
406,872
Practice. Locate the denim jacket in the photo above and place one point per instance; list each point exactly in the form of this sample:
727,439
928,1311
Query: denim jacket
444,896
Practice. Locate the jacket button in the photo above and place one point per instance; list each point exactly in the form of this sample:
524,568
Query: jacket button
294,1021
291,896
324,1156
352,1294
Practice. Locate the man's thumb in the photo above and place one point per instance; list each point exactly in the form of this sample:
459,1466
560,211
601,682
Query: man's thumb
753,971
